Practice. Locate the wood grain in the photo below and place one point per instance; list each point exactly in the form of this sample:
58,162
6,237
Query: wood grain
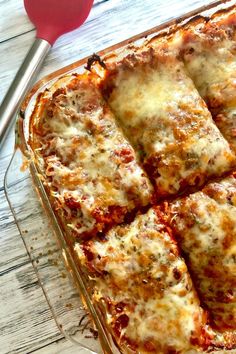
14,21
26,323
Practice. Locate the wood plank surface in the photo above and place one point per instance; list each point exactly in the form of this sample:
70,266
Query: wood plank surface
26,323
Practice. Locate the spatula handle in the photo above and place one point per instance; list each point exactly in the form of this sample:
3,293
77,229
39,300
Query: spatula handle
20,85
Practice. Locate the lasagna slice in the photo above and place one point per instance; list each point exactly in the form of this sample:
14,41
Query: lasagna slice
89,169
205,227
143,283
166,120
209,52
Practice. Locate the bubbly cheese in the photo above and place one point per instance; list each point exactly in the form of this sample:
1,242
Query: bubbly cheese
210,58
90,162
91,169
139,274
166,120
205,223
226,121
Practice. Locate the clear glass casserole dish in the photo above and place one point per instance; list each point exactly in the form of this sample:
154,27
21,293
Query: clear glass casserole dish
65,289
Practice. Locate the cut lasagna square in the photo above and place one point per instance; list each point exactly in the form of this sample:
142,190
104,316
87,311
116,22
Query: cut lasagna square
89,169
166,120
205,227
140,278
208,49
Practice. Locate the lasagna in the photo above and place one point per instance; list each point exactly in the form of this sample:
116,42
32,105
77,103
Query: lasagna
209,53
166,120
137,156
144,284
90,169
205,225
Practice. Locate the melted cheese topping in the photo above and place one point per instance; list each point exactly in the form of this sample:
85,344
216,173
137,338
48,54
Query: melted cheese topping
166,120
226,121
206,226
93,178
89,166
210,58
146,286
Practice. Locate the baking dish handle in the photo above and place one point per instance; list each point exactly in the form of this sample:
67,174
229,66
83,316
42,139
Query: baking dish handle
21,84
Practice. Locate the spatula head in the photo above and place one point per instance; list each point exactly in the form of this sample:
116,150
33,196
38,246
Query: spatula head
52,18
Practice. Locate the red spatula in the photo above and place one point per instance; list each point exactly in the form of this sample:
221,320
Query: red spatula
52,18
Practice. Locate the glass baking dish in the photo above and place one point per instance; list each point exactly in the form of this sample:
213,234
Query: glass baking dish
63,284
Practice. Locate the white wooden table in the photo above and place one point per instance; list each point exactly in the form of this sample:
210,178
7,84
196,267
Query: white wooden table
26,324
